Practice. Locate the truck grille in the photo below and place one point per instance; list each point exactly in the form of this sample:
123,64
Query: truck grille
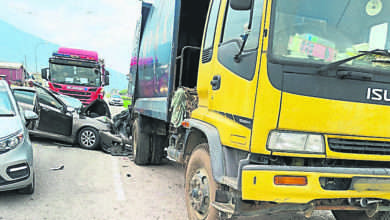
359,146
66,92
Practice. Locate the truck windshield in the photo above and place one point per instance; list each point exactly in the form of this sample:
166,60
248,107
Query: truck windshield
320,31
74,75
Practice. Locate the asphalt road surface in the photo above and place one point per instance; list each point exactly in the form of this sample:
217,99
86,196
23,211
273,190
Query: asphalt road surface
94,185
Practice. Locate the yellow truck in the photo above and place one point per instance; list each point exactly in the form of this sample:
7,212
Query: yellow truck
271,105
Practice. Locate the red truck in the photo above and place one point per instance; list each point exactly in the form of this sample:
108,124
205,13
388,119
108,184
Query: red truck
77,73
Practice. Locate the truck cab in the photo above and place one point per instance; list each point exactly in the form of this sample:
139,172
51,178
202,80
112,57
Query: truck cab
77,73
292,105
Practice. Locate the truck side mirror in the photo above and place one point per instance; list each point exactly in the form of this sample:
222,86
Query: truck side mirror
107,73
44,73
106,80
241,5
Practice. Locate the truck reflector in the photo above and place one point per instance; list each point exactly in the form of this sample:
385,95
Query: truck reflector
290,180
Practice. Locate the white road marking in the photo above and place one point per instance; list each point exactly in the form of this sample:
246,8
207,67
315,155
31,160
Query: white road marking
120,194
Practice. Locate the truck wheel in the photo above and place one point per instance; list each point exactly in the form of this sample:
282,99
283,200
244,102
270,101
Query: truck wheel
200,186
89,138
359,215
158,145
141,145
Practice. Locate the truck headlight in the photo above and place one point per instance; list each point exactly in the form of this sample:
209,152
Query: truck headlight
296,142
11,142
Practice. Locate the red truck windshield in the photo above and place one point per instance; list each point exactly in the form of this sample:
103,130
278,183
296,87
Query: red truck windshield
74,75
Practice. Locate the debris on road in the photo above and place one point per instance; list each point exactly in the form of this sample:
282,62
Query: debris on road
118,141
58,168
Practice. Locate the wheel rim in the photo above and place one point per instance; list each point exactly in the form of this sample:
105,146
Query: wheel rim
88,138
199,193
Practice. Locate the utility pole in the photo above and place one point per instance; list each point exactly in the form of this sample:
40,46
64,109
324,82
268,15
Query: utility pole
25,61
36,56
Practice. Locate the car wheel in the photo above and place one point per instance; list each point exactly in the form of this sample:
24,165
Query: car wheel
89,138
28,189
200,186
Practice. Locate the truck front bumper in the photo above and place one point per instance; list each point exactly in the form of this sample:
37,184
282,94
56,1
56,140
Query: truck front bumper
257,183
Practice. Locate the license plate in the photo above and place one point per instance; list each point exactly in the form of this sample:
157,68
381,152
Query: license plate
370,184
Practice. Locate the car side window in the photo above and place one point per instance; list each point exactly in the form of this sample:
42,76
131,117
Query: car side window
47,99
24,96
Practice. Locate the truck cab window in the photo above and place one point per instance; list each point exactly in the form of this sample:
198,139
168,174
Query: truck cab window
210,31
235,26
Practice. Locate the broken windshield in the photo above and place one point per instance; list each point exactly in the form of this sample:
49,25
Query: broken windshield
329,31
74,75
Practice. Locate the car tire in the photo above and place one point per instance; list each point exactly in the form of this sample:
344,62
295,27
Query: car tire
158,145
141,144
199,178
89,138
28,189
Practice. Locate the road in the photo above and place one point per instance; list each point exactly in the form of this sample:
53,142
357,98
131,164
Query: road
94,185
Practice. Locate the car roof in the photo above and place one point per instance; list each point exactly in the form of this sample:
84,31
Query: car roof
3,84
24,88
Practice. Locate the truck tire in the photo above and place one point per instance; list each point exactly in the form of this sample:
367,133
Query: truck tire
200,186
359,215
158,145
141,144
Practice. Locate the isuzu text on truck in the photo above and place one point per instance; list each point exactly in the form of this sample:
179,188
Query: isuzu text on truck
77,73
272,105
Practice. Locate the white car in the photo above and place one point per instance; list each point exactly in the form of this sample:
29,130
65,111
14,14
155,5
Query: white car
16,153
116,100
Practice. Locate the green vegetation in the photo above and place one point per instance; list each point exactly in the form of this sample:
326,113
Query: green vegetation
123,92
126,101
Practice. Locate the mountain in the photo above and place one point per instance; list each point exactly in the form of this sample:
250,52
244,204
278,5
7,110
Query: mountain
34,52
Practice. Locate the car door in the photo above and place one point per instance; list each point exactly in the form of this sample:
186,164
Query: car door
53,117
28,101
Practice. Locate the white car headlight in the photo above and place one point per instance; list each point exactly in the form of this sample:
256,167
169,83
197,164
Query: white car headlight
11,142
296,142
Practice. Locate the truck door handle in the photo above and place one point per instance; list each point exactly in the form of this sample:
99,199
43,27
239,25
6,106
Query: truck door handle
216,82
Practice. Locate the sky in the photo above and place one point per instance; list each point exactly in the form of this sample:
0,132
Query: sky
106,26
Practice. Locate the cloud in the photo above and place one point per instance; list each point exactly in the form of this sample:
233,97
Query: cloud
106,26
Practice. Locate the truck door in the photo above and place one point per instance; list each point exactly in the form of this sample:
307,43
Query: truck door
233,80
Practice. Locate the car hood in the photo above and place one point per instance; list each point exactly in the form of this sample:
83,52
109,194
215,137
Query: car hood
96,108
11,125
